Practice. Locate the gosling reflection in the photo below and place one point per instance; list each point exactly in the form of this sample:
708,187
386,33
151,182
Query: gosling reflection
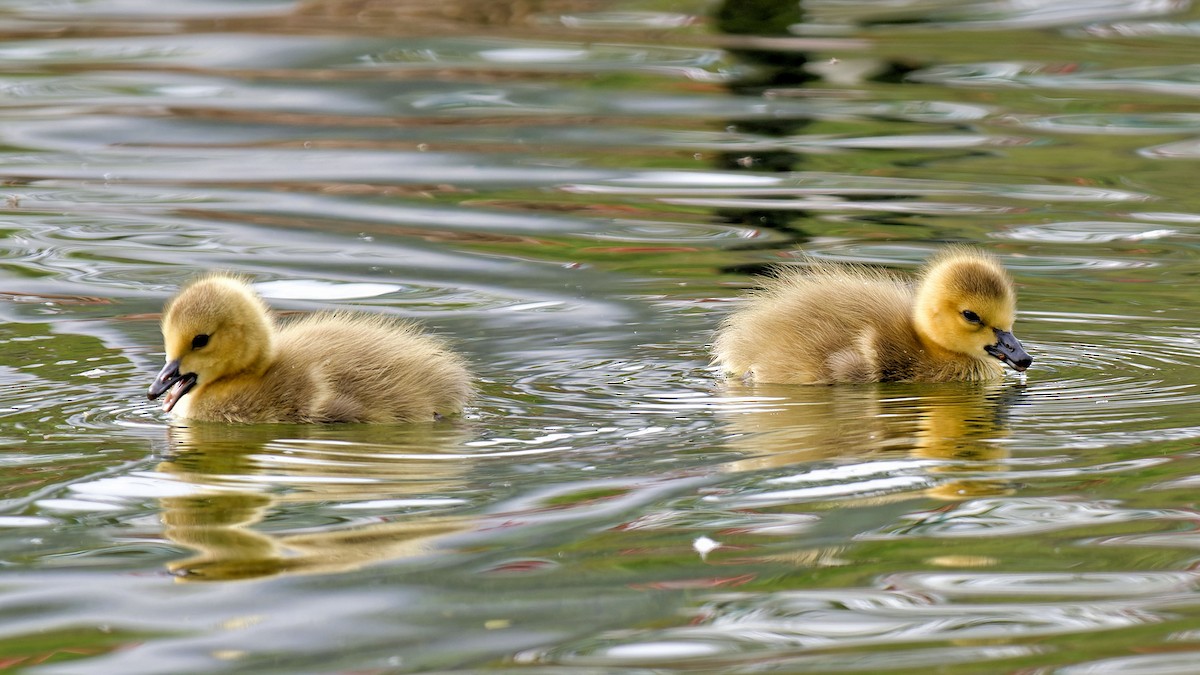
961,424
246,476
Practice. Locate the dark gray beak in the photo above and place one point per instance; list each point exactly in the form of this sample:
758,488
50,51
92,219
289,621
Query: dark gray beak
170,377
1009,350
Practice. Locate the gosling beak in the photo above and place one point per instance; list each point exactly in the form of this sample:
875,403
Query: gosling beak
1008,349
170,378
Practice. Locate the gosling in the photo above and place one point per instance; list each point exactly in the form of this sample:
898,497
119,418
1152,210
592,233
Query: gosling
227,361
836,323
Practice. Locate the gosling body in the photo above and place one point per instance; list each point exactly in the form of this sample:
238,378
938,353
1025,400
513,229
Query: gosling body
228,361
835,323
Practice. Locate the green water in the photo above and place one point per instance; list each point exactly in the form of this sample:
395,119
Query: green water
576,192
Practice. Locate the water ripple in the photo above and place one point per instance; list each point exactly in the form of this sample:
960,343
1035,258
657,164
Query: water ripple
868,479
1044,585
530,56
916,253
1002,517
1183,663
734,629
1178,80
666,183
1115,123
974,16
1085,232
572,195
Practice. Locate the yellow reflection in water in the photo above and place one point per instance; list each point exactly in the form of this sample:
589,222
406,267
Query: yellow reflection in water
963,425
245,475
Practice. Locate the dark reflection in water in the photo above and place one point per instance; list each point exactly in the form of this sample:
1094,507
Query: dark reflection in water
772,73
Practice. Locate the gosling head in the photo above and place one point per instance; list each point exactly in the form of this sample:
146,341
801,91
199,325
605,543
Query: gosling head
215,327
966,304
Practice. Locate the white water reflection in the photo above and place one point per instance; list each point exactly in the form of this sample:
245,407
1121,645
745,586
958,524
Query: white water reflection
1086,232
781,627
1003,517
1053,585
1149,664
313,289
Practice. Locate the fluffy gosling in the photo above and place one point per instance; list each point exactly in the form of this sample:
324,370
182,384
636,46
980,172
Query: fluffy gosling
228,361
832,323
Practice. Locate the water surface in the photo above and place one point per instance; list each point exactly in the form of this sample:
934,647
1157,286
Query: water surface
576,192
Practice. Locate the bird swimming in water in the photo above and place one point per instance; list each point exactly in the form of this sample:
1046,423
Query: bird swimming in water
228,361
831,323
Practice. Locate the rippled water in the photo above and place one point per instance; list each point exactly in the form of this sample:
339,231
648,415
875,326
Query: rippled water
576,192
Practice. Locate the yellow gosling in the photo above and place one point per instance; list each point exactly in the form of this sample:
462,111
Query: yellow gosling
829,323
227,361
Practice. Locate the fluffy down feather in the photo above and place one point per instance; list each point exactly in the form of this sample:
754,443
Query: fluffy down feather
228,361
829,323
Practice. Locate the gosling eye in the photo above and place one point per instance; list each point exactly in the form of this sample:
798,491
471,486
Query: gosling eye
972,317
199,341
